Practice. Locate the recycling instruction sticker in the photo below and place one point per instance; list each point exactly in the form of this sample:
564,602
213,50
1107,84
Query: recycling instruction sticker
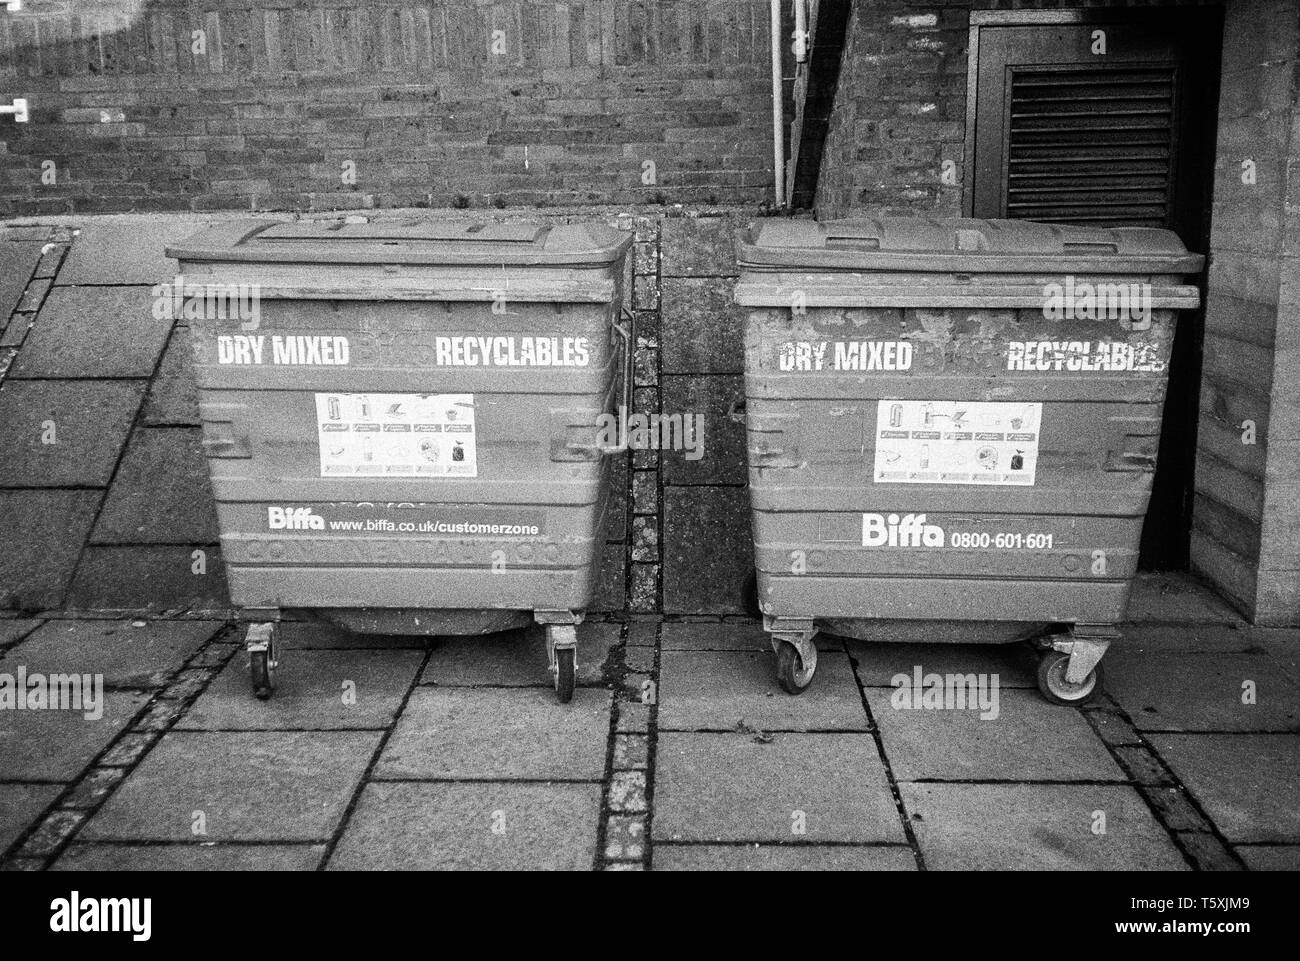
950,442
396,435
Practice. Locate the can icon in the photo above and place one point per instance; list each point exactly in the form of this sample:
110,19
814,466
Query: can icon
896,415
334,408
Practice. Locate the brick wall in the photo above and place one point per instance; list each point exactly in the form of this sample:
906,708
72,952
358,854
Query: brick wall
901,107
1246,526
285,97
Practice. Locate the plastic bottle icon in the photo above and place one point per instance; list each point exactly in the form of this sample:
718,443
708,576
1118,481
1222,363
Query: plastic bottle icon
928,412
896,415
364,401
334,408
367,449
925,456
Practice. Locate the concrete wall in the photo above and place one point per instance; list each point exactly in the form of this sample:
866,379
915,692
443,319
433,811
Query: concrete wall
566,108
1246,533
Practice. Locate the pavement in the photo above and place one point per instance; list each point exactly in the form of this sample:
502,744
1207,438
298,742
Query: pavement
679,750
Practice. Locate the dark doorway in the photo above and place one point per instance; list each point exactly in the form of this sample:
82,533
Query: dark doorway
1107,118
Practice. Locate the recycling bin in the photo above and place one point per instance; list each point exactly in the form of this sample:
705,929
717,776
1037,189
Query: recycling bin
402,420
952,430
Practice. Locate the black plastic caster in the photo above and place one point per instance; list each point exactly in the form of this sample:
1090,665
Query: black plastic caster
791,673
566,673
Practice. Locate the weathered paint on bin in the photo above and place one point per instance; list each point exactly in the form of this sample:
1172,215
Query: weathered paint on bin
504,344
860,332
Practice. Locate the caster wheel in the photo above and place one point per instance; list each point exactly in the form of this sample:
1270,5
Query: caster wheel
791,672
1056,689
263,674
565,673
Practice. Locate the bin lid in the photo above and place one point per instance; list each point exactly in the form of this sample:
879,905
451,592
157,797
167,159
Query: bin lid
406,240
960,245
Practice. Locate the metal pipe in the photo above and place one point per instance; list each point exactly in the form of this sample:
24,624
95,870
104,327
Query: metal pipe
778,108
800,31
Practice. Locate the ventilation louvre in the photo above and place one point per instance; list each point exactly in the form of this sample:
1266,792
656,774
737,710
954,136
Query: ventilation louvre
1091,146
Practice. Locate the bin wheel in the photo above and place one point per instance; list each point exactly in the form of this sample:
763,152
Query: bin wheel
565,673
1056,689
263,674
790,672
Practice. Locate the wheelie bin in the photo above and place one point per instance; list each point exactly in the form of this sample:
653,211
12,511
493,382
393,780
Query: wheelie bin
403,436
952,430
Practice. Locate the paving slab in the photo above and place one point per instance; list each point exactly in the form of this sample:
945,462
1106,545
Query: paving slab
703,327
93,332
719,690
731,787
1247,783
21,806
13,629
315,690
718,440
781,857
57,745
1186,639
1203,692
456,733
190,857
90,420
418,827
150,578
1028,740
44,531
1177,597
714,636
126,249
611,583
173,399
698,246
126,655
18,260
161,493
249,786
1020,827
516,658
708,550
1015,665
1281,857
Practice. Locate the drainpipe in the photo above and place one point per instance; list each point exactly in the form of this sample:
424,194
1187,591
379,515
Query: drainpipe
778,108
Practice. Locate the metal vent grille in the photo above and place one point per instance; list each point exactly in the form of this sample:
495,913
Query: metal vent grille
1091,146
